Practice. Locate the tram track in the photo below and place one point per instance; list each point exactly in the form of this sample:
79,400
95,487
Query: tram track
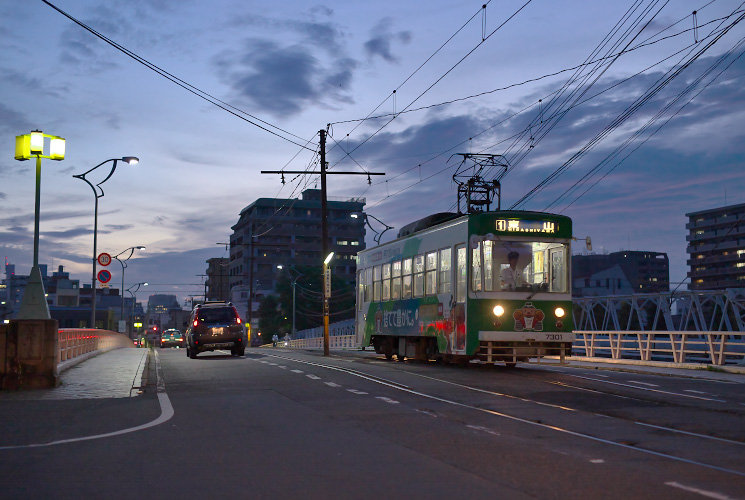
546,423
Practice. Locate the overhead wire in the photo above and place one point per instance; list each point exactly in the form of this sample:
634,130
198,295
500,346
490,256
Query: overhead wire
183,84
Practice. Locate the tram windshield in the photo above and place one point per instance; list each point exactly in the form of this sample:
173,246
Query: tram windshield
521,266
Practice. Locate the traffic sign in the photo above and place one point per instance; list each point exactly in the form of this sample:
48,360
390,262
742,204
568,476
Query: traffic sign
104,259
104,276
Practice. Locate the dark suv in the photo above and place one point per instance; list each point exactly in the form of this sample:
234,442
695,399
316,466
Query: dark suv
215,325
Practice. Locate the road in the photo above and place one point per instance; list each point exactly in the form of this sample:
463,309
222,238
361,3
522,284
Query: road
280,423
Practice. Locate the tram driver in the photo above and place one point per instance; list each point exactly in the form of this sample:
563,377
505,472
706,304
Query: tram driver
511,278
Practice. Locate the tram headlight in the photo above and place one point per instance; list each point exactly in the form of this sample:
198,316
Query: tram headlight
559,312
498,311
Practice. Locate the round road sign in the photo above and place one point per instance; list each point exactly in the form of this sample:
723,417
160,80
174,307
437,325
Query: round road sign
104,259
104,276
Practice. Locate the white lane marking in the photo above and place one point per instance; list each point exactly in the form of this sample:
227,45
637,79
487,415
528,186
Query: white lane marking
281,366
272,364
642,383
694,392
296,371
355,391
311,376
708,494
597,461
166,413
387,400
483,429
651,390
703,436
265,362
332,384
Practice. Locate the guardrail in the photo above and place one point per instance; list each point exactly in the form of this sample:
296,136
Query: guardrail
717,348
335,342
75,342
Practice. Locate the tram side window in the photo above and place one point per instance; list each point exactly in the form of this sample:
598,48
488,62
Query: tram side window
396,280
419,276
386,282
444,273
376,283
368,284
460,273
406,279
476,269
430,277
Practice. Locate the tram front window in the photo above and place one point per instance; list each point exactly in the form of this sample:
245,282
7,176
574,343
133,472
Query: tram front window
519,266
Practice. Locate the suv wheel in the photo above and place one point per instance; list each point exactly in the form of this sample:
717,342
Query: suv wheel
192,353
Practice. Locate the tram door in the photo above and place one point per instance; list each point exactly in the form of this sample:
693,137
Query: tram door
457,343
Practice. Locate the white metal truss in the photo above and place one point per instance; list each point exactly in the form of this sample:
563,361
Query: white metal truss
710,311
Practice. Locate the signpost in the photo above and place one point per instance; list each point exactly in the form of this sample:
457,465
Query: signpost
104,259
104,276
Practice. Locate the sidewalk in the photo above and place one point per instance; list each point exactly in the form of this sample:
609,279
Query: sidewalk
114,374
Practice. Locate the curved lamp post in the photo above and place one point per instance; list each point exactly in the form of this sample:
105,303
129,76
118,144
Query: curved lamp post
293,283
134,298
98,193
34,303
123,262
366,218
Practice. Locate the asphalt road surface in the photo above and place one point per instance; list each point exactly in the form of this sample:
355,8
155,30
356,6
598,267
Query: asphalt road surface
280,424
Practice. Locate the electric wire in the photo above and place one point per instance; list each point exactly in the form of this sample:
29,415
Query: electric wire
181,83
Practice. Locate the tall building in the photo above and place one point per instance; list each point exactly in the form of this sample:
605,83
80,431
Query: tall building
716,248
620,273
217,286
273,231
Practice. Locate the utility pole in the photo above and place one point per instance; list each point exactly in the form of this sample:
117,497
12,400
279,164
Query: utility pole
324,226
324,243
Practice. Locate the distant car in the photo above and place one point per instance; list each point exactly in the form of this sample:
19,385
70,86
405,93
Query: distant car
212,326
172,338
138,342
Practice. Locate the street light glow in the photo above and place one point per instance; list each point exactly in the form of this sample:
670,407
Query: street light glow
132,160
37,142
328,258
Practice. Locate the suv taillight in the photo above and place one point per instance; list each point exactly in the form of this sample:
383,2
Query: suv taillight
196,322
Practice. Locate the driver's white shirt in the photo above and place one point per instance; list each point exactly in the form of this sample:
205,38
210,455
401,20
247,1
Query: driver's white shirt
511,278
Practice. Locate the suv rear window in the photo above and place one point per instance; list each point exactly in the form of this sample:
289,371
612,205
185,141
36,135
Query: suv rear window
216,315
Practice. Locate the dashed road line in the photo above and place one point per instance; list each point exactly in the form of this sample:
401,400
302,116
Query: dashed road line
356,391
313,377
387,400
297,371
707,494
642,383
332,384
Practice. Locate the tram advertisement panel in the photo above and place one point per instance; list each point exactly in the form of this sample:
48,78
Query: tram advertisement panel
425,316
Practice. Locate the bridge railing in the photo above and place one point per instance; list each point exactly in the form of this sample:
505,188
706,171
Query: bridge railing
75,342
335,342
716,348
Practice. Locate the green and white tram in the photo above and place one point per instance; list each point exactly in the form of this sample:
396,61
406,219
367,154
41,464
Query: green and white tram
490,285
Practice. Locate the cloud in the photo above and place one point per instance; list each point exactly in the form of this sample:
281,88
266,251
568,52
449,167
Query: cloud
119,227
381,40
283,80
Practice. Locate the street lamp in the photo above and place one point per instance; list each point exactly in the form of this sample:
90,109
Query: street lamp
123,262
366,218
98,193
293,283
134,298
34,302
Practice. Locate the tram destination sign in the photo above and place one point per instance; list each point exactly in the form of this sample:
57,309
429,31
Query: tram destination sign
527,226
